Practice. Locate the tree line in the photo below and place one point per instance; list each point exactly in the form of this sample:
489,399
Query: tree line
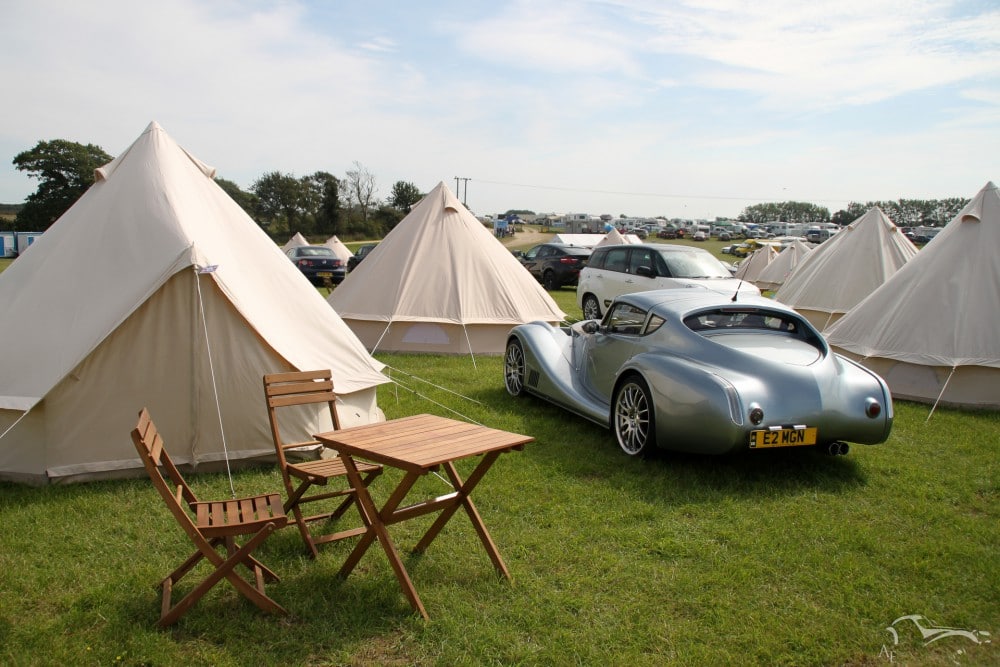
316,205
321,205
903,212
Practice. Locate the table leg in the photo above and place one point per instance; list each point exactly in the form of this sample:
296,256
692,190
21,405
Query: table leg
375,522
463,499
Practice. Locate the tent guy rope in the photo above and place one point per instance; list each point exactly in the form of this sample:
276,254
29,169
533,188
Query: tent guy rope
199,270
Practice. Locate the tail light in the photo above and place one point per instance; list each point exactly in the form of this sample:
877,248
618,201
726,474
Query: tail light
568,260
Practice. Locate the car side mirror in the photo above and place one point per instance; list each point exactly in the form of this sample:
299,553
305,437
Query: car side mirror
518,253
591,326
645,272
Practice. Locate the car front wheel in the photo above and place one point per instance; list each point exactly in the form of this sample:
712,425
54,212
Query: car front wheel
632,417
513,368
550,282
591,308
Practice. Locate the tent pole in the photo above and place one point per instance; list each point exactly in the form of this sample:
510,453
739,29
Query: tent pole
934,407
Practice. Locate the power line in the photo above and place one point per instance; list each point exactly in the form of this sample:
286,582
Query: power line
661,195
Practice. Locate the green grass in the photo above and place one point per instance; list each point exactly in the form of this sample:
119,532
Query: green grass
775,558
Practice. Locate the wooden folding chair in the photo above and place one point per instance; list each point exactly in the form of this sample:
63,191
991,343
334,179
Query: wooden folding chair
287,390
210,524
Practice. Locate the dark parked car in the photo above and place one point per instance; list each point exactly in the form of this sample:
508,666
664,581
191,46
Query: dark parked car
555,264
359,255
318,263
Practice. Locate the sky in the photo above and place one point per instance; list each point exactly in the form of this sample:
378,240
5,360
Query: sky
623,107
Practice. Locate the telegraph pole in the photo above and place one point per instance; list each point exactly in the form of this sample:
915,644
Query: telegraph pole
458,190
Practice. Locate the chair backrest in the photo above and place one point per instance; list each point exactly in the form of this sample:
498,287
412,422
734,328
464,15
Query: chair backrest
297,388
161,469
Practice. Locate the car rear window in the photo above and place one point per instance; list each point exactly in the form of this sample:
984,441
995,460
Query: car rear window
316,252
729,319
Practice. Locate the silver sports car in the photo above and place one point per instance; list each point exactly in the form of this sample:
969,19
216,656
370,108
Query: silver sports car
696,371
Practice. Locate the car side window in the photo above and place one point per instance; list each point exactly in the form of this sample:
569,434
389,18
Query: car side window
545,251
640,257
617,260
655,322
626,319
596,260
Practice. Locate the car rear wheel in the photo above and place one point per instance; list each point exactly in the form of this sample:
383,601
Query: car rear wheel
632,417
591,308
549,281
513,368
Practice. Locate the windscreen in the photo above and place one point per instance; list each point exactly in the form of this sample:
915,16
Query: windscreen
694,265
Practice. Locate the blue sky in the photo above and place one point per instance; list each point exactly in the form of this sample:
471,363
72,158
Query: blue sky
637,107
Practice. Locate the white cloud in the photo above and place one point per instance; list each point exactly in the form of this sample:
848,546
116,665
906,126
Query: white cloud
694,102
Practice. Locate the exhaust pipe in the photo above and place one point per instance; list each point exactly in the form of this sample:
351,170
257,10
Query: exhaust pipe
838,448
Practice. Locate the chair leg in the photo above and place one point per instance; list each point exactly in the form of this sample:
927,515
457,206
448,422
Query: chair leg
295,507
223,568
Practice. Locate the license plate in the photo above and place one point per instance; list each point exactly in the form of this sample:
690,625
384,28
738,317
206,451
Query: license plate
324,274
783,437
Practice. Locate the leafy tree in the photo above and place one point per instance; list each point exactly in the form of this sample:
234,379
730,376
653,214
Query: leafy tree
246,200
385,219
404,195
64,169
279,199
907,212
789,211
324,203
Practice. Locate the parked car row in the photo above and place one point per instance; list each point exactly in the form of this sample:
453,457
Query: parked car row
318,264
555,264
321,266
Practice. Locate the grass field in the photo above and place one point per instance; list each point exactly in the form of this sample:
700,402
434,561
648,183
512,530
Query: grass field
775,558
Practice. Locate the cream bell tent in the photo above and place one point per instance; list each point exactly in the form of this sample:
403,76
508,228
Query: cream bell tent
842,271
931,329
750,268
156,289
294,242
440,282
614,237
339,249
774,274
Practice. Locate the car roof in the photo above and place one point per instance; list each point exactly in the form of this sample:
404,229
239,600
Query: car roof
658,247
680,301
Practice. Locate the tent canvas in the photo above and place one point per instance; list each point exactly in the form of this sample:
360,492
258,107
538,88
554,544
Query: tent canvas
582,240
931,329
614,237
774,274
157,267
440,282
845,269
750,268
294,242
342,252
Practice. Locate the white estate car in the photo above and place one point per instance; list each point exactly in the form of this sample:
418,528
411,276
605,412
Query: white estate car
622,269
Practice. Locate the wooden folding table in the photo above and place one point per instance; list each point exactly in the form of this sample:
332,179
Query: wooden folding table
419,445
